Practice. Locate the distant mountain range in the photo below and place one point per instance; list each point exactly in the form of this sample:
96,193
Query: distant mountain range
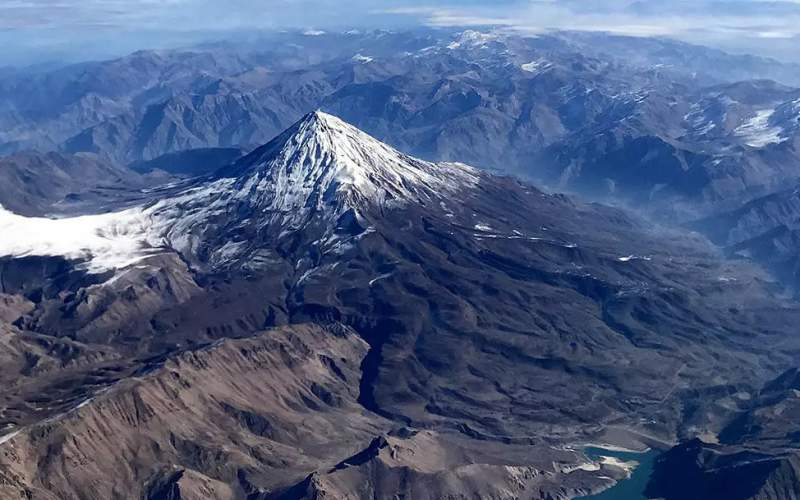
654,122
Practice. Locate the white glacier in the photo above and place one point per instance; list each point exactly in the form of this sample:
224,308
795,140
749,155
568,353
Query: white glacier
105,241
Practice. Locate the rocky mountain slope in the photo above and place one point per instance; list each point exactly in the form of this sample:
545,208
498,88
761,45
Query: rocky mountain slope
764,230
53,183
483,318
287,401
756,455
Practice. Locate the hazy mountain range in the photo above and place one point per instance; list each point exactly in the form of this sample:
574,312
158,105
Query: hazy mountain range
211,289
566,108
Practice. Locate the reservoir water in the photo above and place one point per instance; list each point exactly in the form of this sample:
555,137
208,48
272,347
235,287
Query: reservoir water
631,488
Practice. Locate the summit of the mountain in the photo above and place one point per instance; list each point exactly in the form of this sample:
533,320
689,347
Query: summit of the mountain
321,160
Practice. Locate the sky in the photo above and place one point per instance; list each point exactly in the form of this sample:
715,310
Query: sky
34,31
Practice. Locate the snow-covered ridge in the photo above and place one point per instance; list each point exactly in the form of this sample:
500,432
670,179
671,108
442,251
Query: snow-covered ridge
473,39
319,167
105,241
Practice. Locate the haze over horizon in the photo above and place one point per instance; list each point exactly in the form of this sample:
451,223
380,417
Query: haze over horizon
37,31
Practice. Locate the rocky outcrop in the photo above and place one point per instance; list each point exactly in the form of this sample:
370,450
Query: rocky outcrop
695,471
757,455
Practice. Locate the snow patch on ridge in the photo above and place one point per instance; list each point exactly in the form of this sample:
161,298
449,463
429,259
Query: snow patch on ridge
536,66
629,258
8,437
757,132
362,58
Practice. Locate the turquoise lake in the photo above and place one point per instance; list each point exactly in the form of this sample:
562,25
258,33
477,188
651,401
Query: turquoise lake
631,488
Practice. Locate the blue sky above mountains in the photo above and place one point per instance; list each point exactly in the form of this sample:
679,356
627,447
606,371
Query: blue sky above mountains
64,28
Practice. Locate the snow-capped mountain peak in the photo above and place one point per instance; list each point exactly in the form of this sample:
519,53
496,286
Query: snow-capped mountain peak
322,160
315,171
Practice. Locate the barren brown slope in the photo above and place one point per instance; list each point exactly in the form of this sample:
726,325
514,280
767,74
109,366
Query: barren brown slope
272,416
429,465
259,411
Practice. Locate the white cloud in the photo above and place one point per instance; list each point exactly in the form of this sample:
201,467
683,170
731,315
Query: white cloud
731,24
725,23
